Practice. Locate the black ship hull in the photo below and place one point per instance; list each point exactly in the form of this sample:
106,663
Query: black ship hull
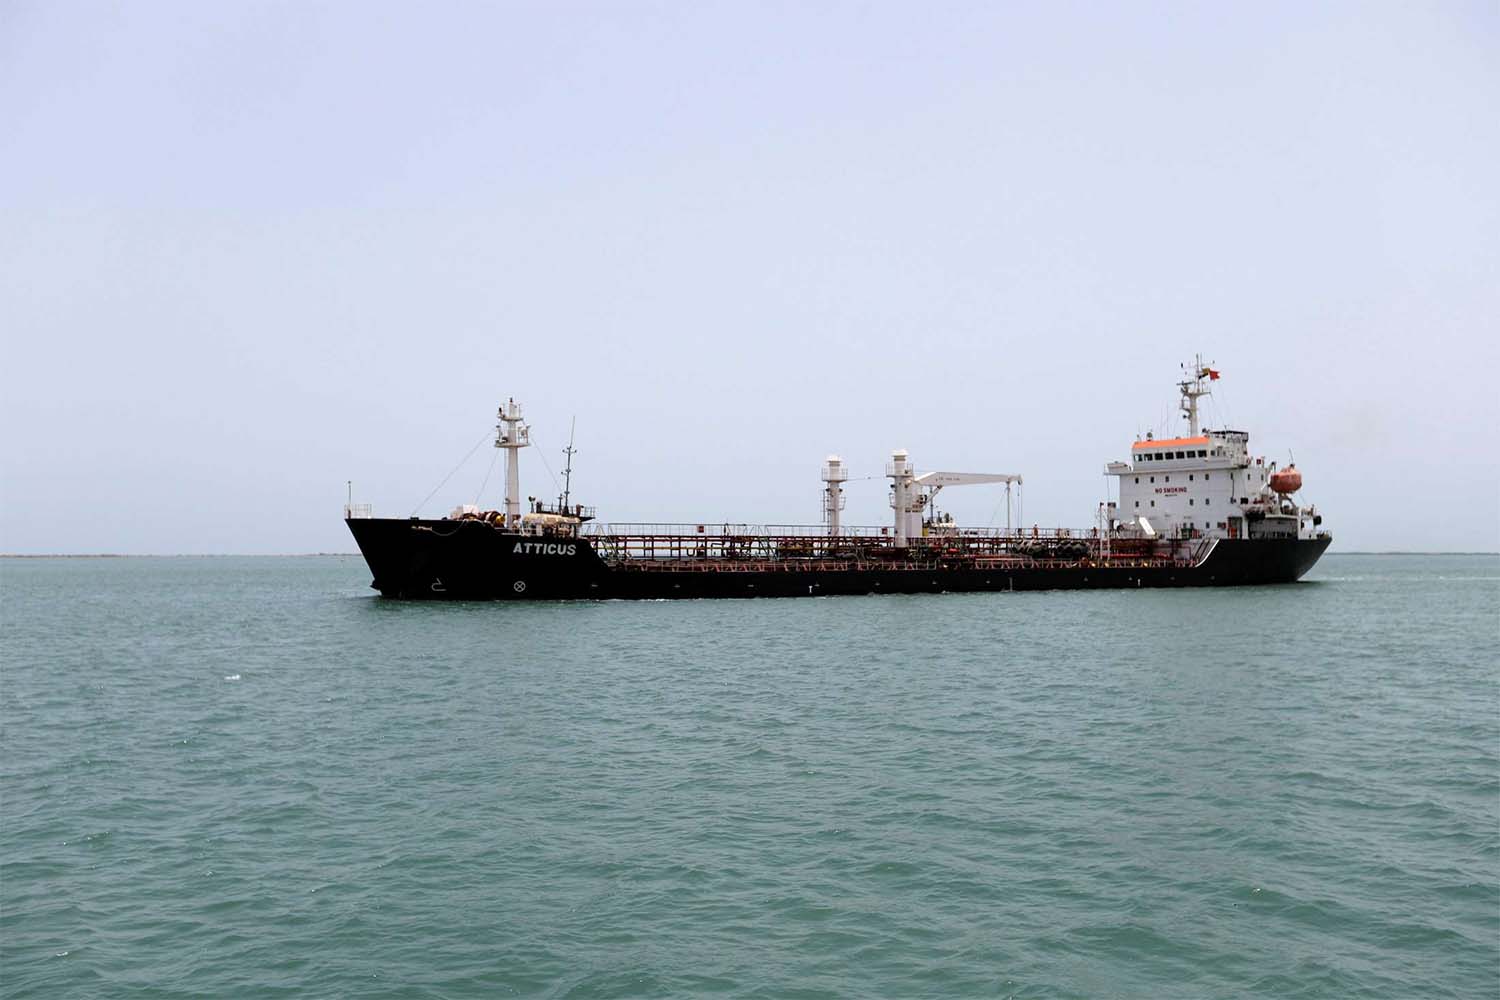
472,560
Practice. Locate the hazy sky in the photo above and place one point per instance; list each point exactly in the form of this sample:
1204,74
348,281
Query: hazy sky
251,250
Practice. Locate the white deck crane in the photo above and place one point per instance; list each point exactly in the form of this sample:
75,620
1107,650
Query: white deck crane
911,494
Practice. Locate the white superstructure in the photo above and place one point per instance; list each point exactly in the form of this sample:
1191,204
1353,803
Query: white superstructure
1206,483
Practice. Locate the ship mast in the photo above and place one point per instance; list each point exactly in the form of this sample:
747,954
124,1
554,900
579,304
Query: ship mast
1192,388
568,469
512,435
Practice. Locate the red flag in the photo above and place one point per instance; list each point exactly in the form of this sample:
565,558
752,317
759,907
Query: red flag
1213,376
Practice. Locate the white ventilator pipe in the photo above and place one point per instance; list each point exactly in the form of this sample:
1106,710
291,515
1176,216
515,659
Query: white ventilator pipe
904,498
834,476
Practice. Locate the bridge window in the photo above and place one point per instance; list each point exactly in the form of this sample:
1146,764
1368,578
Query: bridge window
1202,454
1181,455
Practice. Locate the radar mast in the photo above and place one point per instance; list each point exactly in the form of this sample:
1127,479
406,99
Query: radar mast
568,469
1192,387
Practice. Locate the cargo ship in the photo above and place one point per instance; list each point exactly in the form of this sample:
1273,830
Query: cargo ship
1192,510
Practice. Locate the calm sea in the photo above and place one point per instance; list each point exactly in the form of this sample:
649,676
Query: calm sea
250,777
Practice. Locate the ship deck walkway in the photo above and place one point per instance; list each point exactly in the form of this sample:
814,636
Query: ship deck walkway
824,554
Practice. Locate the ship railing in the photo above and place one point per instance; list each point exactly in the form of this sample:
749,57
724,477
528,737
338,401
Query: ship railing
358,510
741,530
729,529
578,510
950,548
762,547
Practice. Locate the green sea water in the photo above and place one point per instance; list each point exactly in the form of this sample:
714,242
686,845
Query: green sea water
251,777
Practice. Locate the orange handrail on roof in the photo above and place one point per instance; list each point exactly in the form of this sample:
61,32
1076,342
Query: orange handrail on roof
1170,442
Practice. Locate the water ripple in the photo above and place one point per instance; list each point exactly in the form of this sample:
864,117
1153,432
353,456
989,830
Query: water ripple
233,777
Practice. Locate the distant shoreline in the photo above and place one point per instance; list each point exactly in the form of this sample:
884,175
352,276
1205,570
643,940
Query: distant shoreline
340,555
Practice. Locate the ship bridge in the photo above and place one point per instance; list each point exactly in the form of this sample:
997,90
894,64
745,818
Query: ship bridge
1205,483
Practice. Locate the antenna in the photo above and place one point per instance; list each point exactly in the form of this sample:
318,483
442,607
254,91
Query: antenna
568,469
1192,388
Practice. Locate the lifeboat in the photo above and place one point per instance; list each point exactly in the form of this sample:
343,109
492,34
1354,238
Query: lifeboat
1287,480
